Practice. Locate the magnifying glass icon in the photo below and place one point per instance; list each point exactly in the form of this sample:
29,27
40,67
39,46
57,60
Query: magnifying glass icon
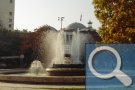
124,78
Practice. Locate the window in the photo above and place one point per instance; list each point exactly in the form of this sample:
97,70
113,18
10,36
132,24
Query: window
70,37
11,1
10,20
67,38
10,13
10,25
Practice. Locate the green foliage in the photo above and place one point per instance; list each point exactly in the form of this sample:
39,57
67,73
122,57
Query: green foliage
9,42
9,46
117,19
15,43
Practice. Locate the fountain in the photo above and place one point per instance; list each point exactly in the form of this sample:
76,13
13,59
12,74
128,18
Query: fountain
79,40
59,66
54,69
36,68
59,50
75,48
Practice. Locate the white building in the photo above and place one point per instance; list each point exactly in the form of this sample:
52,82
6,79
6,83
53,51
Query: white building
7,8
76,35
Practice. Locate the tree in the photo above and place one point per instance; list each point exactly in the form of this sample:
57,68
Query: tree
9,46
31,42
117,19
9,42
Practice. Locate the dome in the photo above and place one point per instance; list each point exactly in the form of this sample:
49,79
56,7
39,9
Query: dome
75,26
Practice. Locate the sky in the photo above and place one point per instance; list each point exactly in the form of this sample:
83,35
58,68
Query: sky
32,14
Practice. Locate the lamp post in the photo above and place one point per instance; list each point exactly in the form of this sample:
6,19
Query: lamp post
61,20
21,60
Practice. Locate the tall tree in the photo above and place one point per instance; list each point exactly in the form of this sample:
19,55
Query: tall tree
31,42
117,19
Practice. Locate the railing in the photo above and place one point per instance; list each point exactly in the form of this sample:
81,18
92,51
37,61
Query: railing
21,57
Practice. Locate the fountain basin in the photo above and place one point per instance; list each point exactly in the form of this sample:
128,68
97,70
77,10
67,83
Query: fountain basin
68,66
57,80
65,72
22,76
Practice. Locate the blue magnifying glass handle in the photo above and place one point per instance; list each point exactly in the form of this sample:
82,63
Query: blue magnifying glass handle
124,78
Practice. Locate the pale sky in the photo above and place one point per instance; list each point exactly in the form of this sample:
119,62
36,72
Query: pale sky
31,14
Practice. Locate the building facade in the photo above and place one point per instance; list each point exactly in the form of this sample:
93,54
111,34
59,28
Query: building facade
76,35
7,8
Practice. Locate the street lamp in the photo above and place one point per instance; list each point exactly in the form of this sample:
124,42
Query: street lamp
21,60
61,20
